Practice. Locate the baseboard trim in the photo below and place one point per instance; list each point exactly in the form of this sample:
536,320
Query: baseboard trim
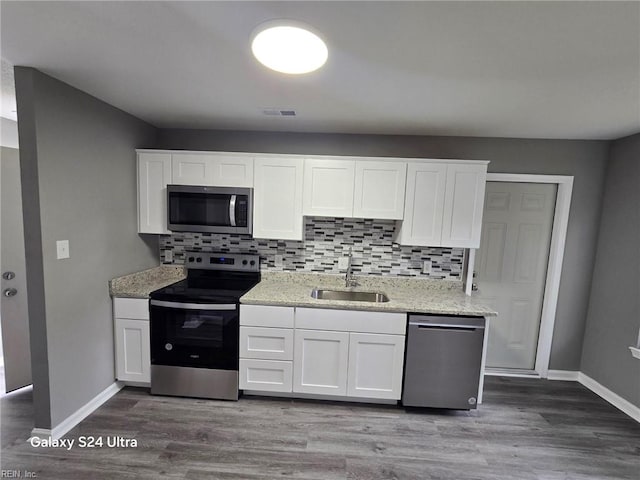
611,397
498,372
83,412
567,375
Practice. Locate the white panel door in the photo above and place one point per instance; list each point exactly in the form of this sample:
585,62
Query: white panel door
512,267
192,169
232,170
464,198
379,189
154,173
328,187
14,313
375,365
277,211
133,357
320,362
424,203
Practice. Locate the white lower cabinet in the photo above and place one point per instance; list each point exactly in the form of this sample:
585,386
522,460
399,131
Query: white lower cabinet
375,365
266,348
316,351
320,362
132,340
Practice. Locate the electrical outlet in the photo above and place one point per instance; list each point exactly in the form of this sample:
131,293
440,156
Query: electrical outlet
426,266
168,256
278,260
343,262
62,249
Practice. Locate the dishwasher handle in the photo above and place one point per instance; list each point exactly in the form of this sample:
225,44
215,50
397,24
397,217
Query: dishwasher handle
452,326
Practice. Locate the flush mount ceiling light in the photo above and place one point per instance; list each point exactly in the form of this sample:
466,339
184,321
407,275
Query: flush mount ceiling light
288,47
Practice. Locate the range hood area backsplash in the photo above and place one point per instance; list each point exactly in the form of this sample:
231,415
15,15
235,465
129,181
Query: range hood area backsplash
327,239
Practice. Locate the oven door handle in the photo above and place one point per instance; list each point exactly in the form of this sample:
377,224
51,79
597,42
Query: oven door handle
232,210
193,306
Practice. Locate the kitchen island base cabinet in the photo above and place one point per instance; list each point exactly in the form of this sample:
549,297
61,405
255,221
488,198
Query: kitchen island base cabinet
132,341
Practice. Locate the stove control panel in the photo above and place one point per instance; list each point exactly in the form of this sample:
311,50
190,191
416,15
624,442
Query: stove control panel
237,262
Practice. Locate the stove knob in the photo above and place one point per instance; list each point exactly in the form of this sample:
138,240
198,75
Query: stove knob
199,259
168,347
244,262
252,263
191,259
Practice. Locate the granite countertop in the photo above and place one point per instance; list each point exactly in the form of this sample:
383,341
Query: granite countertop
405,294
141,284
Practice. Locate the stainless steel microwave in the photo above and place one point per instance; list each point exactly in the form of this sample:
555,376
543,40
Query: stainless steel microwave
194,208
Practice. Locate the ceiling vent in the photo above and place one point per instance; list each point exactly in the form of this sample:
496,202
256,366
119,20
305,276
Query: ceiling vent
277,112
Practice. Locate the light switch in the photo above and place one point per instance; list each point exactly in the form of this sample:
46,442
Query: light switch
62,249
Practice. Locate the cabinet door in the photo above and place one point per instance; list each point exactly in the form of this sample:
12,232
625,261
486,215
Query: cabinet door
230,170
328,187
424,202
266,343
192,169
133,357
277,210
375,365
463,203
154,173
320,362
265,375
379,189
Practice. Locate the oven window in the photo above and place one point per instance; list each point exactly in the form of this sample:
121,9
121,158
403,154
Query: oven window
194,338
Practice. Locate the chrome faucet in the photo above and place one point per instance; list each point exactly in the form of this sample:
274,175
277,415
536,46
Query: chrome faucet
349,277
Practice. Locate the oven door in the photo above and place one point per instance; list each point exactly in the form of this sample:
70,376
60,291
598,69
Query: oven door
194,335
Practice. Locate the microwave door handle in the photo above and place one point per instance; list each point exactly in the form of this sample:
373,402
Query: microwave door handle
232,210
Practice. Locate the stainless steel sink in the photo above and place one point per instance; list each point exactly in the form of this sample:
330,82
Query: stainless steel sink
349,296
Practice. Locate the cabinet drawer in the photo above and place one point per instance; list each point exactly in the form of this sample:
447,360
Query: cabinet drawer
135,308
266,316
265,375
266,343
351,321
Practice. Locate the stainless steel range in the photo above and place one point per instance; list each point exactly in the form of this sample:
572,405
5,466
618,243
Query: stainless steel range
195,326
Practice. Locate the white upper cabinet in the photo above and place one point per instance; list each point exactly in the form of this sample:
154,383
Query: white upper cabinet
154,173
277,208
217,169
424,202
443,205
379,189
328,187
463,205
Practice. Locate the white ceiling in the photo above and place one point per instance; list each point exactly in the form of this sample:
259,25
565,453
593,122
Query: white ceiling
502,69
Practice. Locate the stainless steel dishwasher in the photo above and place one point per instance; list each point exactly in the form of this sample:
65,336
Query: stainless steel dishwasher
443,361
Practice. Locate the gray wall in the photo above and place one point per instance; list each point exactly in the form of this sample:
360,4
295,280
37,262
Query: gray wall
585,160
614,309
79,183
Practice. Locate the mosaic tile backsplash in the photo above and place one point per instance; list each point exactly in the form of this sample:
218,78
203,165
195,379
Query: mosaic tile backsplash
325,240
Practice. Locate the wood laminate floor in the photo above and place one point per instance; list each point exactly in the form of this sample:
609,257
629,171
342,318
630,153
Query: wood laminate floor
526,429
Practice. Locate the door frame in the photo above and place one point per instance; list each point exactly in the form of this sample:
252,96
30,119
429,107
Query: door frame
556,256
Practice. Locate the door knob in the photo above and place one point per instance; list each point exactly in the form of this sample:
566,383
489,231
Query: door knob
9,292
8,275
